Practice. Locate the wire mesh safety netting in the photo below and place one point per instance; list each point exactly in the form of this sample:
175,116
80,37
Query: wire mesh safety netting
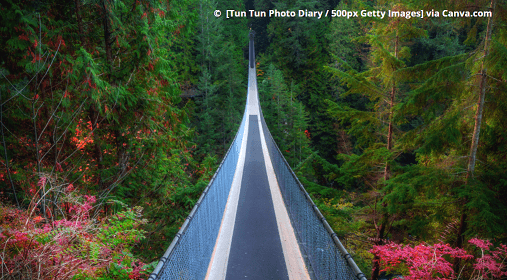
325,256
190,252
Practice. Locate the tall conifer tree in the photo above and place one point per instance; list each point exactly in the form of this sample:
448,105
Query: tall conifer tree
388,39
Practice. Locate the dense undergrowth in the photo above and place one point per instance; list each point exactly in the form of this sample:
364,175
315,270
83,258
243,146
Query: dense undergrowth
75,243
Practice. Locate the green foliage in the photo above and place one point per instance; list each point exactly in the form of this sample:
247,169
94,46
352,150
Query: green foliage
299,49
285,115
221,83
72,247
343,38
419,86
122,228
90,93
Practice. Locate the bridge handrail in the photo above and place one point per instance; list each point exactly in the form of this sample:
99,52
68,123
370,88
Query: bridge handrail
275,153
216,179
186,259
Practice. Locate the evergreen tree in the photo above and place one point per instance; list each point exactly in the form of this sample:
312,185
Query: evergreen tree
344,40
221,83
445,91
285,116
449,96
434,120
299,49
89,96
377,126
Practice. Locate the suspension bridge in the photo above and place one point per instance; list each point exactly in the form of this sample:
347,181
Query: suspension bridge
255,220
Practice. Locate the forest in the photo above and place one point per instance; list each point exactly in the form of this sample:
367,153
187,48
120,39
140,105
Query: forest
115,114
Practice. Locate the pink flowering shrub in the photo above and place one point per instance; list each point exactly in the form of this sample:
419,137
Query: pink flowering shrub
72,247
491,264
421,261
425,261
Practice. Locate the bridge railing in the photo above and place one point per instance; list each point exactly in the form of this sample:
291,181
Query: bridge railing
190,251
325,255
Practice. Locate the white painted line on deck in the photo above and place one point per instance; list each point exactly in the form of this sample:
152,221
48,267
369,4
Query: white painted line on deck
217,268
294,261
253,104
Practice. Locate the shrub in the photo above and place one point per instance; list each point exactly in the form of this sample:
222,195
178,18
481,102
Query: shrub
425,261
76,246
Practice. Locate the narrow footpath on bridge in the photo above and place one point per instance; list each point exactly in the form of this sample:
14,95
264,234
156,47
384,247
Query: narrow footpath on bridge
256,239
255,220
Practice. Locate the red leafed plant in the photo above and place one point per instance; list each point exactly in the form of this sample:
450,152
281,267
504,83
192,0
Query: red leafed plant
425,261
75,246
421,261
491,264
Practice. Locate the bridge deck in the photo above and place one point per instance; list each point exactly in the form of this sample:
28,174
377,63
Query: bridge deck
256,250
256,239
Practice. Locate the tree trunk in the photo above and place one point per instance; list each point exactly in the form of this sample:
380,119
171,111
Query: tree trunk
387,170
480,103
475,137
121,154
379,239
79,18
107,34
